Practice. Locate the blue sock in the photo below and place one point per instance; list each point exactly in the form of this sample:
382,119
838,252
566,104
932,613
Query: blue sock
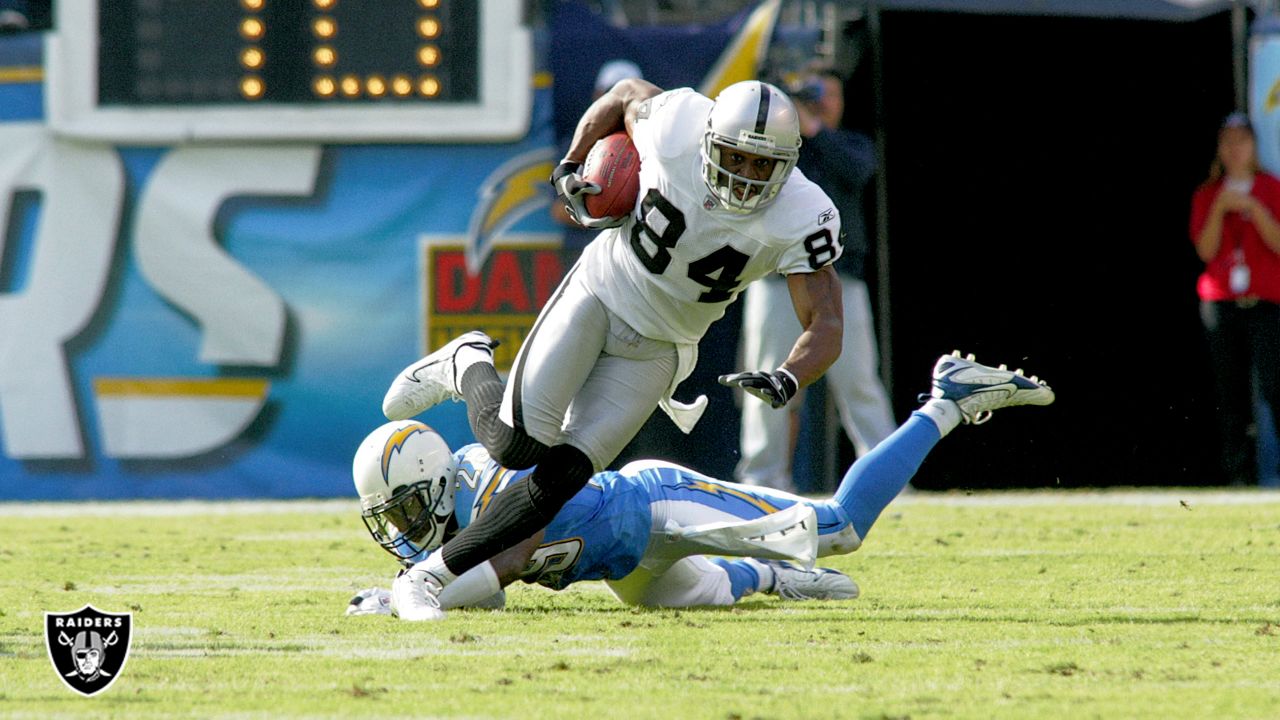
876,478
743,579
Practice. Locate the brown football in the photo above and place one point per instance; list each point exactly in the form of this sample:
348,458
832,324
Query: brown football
614,165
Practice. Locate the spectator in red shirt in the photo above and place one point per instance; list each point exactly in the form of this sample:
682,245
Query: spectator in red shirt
1236,233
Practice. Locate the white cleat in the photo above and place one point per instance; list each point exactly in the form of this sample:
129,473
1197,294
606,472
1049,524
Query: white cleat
792,582
978,389
415,596
435,378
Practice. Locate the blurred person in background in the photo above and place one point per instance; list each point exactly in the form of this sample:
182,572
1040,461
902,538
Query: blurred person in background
22,15
842,162
14,16
1237,236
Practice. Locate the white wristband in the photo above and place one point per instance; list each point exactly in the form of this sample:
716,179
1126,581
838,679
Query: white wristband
473,586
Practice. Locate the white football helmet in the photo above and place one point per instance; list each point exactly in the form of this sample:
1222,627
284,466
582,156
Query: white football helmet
404,473
757,118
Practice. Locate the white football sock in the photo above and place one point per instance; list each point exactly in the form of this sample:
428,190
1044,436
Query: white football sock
467,356
765,574
471,588
944,413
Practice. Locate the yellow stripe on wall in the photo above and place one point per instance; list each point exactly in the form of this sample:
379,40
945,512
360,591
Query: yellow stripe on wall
741,60
211,387
33,73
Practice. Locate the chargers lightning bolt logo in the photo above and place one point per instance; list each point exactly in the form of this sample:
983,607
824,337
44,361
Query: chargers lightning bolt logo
516,189
397,441
711,487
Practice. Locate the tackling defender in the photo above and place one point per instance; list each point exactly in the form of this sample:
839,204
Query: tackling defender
720,205
638,529
645,528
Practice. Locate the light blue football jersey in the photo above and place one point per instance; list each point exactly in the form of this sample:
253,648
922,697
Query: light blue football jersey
600,534
603,531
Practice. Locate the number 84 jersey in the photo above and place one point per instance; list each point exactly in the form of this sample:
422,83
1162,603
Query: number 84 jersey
681,258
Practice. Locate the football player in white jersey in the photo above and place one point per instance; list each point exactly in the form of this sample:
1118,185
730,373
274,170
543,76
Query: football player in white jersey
646,529
720,205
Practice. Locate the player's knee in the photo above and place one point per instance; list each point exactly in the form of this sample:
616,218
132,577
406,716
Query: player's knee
513,448
562,472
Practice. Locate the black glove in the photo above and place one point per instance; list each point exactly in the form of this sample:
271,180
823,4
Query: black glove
775,388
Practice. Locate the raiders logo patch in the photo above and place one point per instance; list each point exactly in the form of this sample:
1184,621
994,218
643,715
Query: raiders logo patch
88,647
642,112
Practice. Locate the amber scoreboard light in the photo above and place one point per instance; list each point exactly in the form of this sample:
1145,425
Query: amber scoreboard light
331,69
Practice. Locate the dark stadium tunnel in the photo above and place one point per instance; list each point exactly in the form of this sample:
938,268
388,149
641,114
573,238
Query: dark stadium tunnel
1039,173
1039,190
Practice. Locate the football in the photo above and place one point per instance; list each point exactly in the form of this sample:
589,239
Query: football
614,165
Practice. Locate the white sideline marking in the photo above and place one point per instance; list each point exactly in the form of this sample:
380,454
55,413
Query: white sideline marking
178,508
187,642
1128,496
1010,498
371,652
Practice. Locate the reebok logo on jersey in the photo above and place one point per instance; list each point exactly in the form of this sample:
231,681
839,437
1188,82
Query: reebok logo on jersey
827,216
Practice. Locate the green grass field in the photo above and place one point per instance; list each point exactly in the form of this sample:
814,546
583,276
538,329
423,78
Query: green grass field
1162,605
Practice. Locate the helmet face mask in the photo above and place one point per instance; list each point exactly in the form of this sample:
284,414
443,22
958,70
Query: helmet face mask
404,474
755,119
410,524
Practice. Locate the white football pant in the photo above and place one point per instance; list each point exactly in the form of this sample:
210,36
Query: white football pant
691,582
584,377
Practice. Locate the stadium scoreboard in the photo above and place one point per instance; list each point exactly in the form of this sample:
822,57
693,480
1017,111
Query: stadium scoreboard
339,70
158,52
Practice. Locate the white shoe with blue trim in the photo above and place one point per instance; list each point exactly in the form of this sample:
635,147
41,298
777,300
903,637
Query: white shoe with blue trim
978,389
792,582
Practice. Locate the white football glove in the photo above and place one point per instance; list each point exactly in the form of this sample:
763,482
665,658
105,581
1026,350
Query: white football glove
466,591
370,601
572,189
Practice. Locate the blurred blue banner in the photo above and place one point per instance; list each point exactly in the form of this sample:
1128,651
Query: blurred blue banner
668,56
221,321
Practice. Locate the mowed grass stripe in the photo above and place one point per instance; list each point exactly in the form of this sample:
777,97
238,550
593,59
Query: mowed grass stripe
1023,606
186,508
